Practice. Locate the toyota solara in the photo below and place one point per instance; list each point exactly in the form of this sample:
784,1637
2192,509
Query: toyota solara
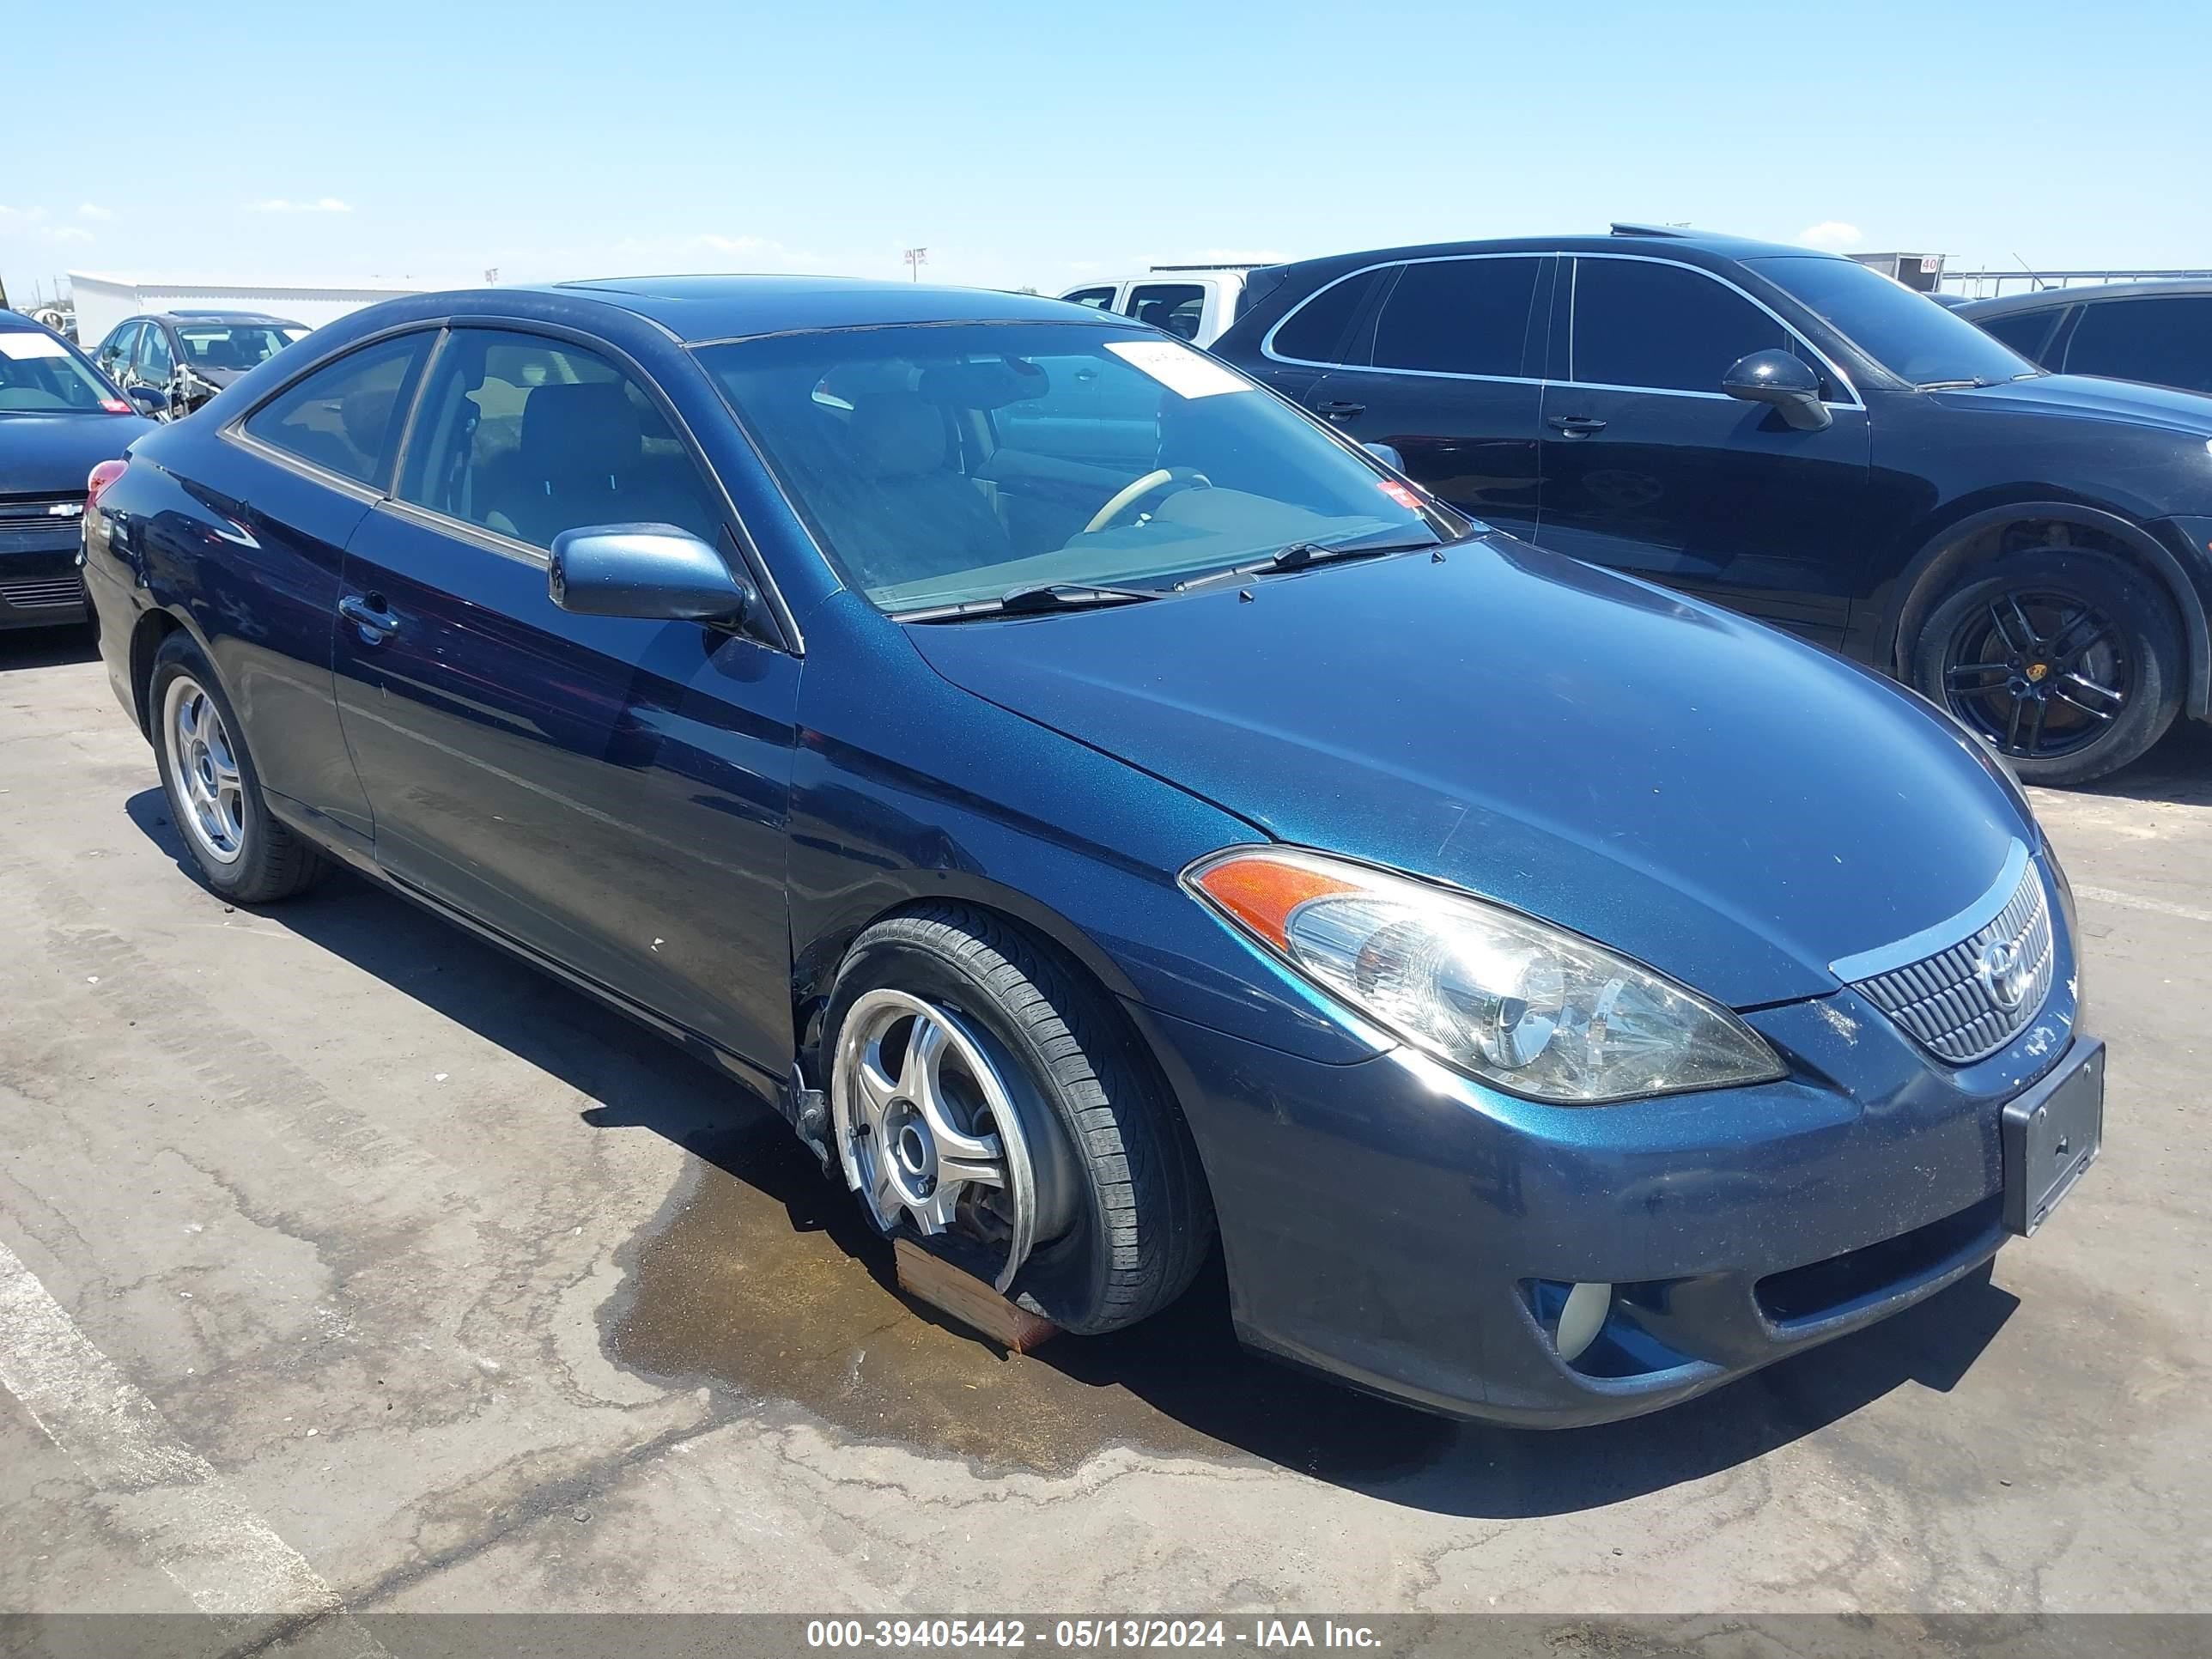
1107,811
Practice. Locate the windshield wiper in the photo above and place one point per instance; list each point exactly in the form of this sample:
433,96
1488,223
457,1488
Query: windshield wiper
1299,555
1031,601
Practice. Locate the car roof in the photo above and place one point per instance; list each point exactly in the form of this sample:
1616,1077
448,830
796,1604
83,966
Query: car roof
1660,241
220,317
16,323
703,308
2045,298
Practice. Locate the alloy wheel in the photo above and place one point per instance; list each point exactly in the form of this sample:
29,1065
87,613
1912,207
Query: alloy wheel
203,763
2039,673
929,1132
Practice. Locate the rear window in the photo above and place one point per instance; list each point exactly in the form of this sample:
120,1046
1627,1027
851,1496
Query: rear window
1178,307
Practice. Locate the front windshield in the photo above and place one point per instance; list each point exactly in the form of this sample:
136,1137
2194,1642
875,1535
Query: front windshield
233,345
948,463
1906,333
40,375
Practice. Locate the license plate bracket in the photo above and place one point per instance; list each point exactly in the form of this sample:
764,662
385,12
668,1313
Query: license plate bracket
2051,1136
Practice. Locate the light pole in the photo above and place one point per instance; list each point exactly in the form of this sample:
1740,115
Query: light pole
916,259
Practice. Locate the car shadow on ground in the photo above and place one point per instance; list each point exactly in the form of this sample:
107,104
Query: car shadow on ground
47,647
1178,1383
2177,771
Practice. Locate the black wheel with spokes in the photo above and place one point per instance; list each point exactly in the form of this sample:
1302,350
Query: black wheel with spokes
2069,664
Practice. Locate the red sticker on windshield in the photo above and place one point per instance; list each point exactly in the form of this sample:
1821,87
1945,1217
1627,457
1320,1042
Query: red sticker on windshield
1398,493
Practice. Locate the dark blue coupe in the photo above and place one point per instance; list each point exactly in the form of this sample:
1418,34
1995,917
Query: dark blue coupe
1104,806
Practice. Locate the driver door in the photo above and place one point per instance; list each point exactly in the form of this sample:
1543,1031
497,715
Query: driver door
609,791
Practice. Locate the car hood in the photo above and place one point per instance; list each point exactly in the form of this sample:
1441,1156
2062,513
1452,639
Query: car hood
51,454
2078,396
1731,806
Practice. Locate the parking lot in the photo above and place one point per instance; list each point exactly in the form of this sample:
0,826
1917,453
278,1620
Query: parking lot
346,1259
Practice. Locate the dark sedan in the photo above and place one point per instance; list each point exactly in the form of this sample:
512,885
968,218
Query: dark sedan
2159,332
170,362
58,420
1100,804
1800,438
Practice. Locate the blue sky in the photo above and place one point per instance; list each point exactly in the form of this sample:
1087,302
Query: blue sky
1039,143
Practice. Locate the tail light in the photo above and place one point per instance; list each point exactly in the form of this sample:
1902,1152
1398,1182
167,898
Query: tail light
96,486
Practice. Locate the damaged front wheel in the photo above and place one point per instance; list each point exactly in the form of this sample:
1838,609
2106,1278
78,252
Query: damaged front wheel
986,1096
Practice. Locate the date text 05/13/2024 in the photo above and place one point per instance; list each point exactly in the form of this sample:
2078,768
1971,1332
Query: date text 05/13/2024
1084,1635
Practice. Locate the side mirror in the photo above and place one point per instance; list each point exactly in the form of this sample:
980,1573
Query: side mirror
149,400
654,572
1388,454
1781,381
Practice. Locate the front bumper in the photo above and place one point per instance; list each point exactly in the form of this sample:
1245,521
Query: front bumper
1412,1232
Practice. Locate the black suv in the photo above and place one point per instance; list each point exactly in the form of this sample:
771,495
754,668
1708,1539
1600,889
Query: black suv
1796,436
170,362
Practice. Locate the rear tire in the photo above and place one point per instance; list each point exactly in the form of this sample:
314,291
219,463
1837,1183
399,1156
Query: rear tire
238,849
1135,1221
2069,664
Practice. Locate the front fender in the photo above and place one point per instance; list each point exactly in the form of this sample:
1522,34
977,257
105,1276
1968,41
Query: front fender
907,789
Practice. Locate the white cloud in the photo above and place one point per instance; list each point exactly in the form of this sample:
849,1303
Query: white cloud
320,204
62,234
90,210
1831,233
15,215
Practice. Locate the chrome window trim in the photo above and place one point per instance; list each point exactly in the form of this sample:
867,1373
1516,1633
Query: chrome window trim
1797,334
1942,935
783,620
306,468
1268,341
492,541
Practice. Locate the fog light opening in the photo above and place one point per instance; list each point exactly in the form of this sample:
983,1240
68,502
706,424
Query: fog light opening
1581,1319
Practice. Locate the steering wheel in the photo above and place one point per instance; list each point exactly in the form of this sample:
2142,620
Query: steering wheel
1163,477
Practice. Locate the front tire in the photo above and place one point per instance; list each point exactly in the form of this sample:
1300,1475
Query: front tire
946,1021
239,850
2068,664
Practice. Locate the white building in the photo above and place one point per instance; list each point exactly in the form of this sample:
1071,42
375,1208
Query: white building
104,302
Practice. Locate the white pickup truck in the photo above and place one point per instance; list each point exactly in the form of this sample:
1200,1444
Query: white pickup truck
1197,302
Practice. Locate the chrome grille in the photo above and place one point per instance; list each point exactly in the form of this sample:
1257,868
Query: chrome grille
1948,1002
42,595
30,521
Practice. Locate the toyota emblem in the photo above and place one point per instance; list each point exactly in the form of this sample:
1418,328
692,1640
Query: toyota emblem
2003,972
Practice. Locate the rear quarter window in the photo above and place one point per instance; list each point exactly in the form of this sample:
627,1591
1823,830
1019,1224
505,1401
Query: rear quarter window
345,416
1315,331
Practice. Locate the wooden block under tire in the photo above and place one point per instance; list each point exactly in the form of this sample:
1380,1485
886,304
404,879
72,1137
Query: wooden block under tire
968,1299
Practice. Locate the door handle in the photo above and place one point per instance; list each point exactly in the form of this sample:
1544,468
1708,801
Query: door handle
368,615
1574,426
1337,409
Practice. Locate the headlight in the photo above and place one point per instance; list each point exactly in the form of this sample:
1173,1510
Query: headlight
1532,1008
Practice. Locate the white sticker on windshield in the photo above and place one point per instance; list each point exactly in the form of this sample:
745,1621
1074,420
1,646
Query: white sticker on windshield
1179,369
23,345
